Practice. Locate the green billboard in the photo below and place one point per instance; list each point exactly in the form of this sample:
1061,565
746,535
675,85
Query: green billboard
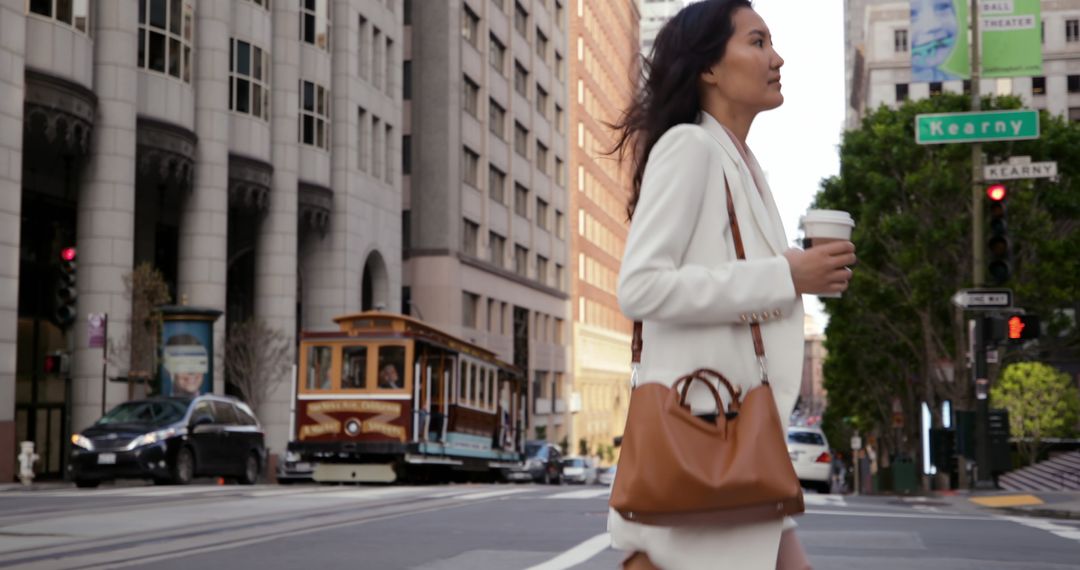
1011,38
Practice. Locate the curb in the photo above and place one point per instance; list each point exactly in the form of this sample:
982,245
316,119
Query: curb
1040,512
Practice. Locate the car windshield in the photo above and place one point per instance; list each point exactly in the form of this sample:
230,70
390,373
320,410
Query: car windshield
535,450
574,463
805,437
154,413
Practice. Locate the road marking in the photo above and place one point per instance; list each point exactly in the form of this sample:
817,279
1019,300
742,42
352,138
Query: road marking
896,515
490,494
583,494
1066,532
577,554
824,500
1007,501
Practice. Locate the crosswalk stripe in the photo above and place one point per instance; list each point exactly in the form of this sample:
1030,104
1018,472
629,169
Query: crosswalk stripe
824,500
490,494
1063,531
583,494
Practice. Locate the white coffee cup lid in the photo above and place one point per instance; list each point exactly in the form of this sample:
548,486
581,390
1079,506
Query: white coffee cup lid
829,217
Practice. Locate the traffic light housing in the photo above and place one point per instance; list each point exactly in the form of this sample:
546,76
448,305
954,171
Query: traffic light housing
65,293
999,264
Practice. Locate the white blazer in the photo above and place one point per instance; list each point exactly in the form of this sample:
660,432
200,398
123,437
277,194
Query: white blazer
681,277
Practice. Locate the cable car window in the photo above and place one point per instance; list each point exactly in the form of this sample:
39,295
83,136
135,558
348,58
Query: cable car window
391,367
354,367
318,368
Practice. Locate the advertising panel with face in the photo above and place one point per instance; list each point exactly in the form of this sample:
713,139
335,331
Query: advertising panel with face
186,362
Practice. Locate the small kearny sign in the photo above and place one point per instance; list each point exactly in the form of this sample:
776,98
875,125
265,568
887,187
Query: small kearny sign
1019,169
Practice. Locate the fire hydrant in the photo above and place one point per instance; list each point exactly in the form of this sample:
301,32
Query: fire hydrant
27,458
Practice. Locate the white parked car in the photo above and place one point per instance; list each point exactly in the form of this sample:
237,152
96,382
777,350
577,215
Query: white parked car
809,451
579,470
606,476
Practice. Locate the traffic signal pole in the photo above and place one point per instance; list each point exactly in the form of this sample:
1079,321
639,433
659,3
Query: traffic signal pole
983,478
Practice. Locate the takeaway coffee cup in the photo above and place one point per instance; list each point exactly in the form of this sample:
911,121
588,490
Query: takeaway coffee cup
824,226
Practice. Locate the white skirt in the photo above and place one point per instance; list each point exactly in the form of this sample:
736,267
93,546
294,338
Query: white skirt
742,547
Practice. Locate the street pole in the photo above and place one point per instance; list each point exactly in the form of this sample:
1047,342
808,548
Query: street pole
982,388
104,359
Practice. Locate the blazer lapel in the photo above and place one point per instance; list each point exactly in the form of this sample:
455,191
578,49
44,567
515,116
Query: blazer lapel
761,203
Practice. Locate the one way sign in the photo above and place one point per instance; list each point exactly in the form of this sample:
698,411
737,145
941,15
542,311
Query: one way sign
983,298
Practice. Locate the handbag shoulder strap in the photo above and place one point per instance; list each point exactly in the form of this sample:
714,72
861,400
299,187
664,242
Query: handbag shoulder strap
740,253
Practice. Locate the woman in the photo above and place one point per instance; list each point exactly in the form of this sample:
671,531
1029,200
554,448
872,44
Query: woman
713,69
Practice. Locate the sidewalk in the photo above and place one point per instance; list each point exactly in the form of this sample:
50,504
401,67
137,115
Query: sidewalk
1048,504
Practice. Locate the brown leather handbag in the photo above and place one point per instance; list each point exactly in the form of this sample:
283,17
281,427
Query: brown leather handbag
677,469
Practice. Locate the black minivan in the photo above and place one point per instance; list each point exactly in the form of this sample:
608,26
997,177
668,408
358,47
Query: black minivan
170,440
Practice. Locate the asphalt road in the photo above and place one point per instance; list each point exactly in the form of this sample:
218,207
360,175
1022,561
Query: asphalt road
471,527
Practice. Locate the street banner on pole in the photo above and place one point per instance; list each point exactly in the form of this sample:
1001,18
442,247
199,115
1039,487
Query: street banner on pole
939,40
1011,38
95,330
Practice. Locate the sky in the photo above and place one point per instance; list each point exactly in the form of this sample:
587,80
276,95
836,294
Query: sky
797,144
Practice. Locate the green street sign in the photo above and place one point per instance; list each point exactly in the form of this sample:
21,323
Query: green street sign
988,126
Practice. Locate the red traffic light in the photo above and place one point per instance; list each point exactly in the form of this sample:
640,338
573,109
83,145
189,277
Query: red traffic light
1016,327
67,254
996,192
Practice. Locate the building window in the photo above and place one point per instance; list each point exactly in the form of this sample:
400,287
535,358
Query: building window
1074,114
315,23
560,225
388,156
541,101
559,14
376,147
406,11
521,20
497,249
469,304
541,157
560,120
406,80
935,88
900,41
1038,85
901,92
470,166
388,67
74,13
542,213
470,236
541,45
363,154
559,285
363,51
406,154
496,119
560,67
542,269
521,79
165,32
560,172
1072,30
497,54
497,185
377,70
470,27
471,95
314,114
249,79
1073,82
521,260
967,87
521,139
521,200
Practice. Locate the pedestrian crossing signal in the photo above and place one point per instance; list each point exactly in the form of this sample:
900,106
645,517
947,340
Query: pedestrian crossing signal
1023,327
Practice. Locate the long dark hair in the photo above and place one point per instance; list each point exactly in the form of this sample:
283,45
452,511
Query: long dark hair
687,45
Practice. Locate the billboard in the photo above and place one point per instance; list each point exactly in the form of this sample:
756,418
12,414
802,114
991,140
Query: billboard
1011,33
939,40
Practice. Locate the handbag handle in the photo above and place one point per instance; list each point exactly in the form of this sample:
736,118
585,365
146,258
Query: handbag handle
755,328
702,375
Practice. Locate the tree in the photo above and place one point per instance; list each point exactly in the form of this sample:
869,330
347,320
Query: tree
894,334
145,287
1042,402
256,355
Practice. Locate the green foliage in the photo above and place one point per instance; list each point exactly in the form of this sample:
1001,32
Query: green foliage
1042,402
895,333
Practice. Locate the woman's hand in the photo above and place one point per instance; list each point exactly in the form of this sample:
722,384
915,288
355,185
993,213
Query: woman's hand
822,268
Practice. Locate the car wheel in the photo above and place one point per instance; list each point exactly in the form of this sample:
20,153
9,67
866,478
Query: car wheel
87,483
251,470
823,488
161,481
183,468
547,477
